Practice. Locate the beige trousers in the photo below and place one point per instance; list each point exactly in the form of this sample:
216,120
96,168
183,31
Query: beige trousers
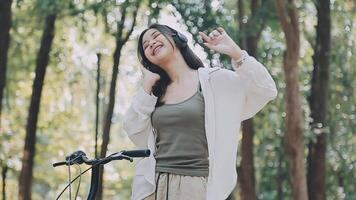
178,187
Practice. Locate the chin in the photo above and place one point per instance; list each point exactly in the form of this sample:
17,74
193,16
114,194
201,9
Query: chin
162,56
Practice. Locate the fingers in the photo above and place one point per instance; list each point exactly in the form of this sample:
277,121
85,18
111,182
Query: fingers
215,33
204,36
213,37
210,46
221,30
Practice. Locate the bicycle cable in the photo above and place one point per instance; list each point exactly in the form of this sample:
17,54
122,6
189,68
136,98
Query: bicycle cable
79,181
70,185
69,177
94,165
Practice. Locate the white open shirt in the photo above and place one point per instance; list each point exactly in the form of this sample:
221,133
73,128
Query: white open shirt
230,97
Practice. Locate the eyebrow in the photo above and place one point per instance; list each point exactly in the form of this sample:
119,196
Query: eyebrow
151,35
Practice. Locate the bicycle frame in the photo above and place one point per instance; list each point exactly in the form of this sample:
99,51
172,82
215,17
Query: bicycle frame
94,182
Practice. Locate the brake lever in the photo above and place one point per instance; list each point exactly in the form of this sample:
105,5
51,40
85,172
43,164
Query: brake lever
120,156
127,158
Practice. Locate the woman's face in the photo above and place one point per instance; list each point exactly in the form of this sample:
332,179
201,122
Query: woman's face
156,46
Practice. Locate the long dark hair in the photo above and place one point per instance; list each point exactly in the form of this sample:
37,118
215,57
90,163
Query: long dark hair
192,60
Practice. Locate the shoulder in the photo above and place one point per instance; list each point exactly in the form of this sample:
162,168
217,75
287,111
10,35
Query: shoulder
222,75
218,72
208,70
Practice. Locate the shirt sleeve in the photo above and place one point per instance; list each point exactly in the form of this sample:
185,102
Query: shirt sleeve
137,119
259,86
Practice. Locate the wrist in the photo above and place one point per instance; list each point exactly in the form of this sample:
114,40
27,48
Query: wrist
236,53
240,60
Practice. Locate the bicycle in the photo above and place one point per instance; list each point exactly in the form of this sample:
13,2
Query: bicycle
79,157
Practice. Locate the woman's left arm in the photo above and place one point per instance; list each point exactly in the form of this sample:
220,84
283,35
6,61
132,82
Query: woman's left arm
259,87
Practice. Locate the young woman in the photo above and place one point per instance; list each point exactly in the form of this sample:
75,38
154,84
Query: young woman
189,115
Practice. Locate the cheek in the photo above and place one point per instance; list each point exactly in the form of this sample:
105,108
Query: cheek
147,54
167,49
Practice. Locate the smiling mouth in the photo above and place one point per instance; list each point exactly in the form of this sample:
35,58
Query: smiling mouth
157,49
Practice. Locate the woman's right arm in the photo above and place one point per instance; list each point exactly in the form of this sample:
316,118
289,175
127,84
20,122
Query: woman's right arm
137,119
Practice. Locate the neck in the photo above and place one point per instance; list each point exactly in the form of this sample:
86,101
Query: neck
177,69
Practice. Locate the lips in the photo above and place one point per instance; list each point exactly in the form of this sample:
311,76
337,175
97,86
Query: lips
154,52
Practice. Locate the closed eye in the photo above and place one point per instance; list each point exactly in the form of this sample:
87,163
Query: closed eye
154,37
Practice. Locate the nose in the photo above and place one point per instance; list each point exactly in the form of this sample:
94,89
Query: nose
152,42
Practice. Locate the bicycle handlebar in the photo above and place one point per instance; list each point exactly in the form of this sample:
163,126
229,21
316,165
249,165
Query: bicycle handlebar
79,157
137,153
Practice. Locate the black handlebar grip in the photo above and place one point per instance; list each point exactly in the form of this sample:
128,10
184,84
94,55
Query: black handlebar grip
137,153
59,164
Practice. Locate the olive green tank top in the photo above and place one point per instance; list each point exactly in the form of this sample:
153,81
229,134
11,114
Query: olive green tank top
181,140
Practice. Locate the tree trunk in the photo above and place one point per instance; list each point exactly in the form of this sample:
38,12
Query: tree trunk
108,117
5,21
243,167
247,166
280,177
25,181
288,17
4,171
120,42
97,102
247,169
318,102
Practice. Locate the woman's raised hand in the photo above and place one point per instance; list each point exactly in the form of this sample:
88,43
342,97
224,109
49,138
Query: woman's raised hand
219,41
149,79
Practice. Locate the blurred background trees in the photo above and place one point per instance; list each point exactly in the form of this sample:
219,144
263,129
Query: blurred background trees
68,72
